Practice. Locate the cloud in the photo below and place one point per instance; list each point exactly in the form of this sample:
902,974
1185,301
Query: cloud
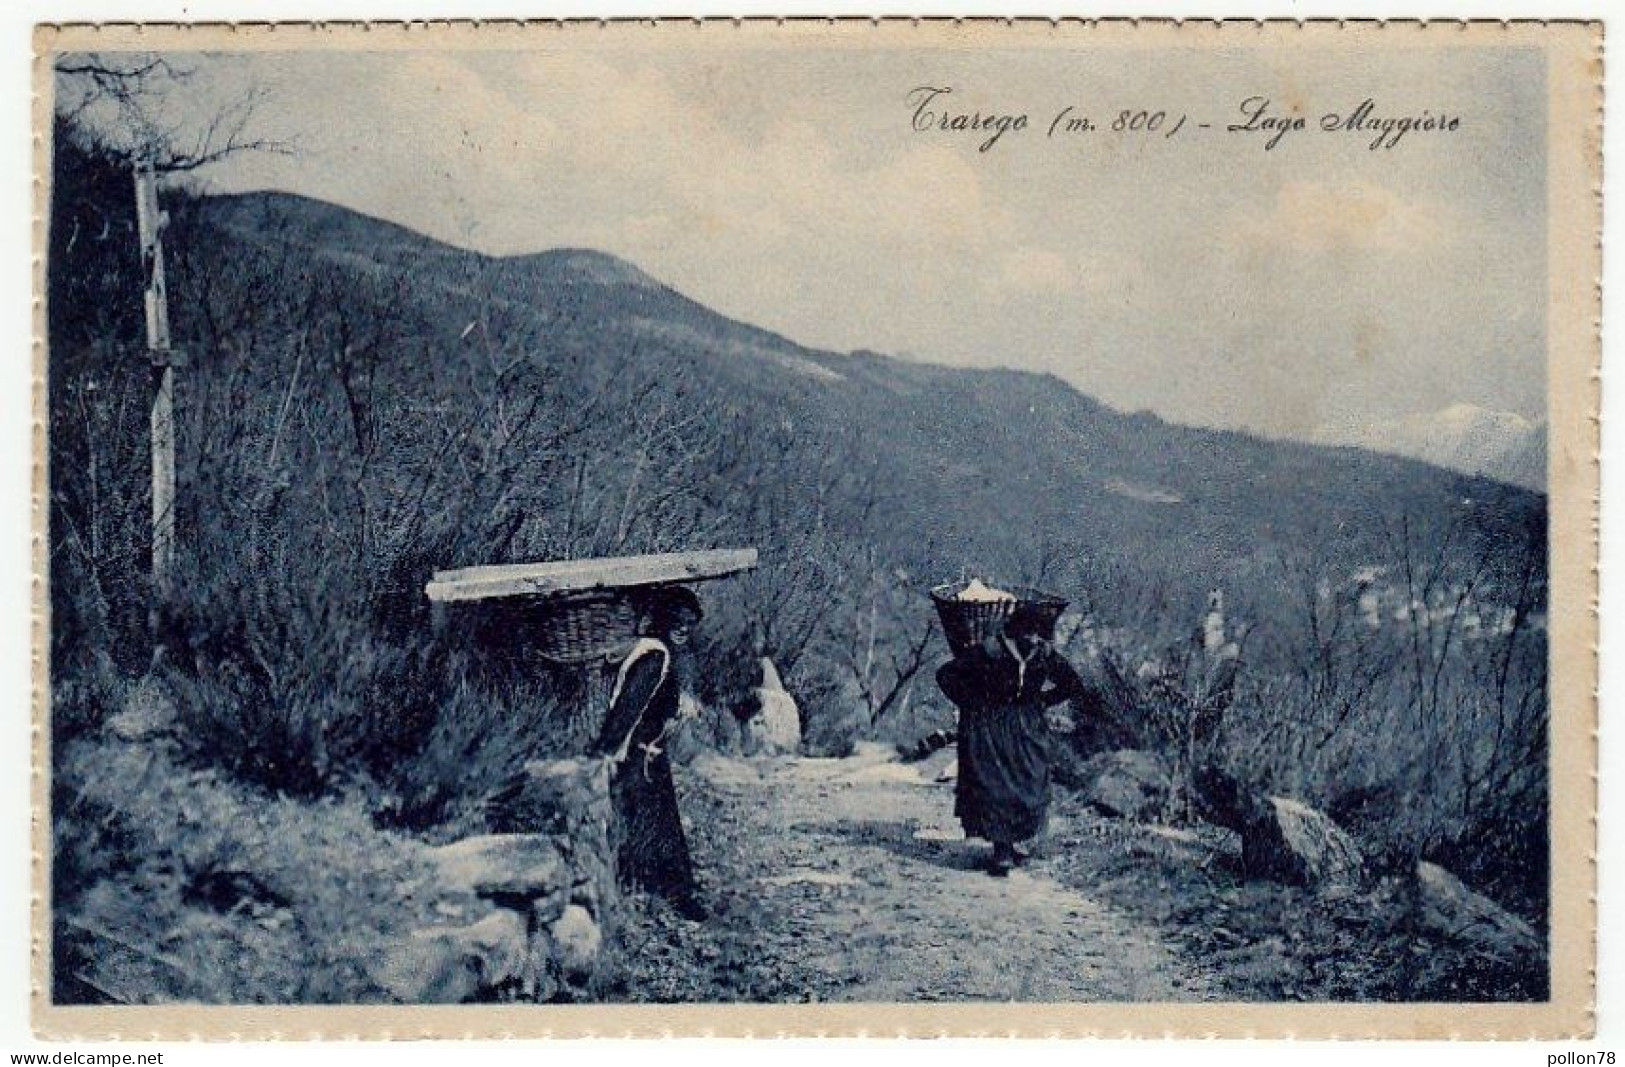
641,146
1032,270
1310,216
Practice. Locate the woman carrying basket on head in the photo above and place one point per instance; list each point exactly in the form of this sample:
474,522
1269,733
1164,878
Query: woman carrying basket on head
653,853
1002,685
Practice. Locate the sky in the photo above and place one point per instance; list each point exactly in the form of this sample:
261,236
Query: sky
1198,275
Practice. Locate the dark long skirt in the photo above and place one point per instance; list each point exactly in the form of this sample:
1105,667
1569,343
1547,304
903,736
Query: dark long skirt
653,850
1003,785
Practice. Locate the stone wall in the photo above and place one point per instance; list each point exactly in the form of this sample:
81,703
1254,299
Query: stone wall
530,907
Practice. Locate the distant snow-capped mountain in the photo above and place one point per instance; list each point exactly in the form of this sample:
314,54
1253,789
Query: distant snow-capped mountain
1462,437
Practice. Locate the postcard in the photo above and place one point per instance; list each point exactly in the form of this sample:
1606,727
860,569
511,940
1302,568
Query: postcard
816,527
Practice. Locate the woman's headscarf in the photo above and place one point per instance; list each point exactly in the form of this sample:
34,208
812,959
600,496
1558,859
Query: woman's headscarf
667,608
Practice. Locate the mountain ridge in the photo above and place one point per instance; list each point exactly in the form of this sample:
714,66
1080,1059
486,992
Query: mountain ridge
1462,437
975,468
1520,463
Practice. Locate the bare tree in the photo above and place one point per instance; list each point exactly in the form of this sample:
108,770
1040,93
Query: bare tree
1177,701
1335,661
888,638
124,98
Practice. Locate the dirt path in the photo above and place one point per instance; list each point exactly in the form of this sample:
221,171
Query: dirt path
854,872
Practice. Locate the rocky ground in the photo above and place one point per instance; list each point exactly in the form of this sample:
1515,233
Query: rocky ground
827,880
849,880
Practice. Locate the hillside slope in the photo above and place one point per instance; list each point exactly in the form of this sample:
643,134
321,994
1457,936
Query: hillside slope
973,469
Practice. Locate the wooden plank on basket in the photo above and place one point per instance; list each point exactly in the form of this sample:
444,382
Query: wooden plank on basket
580,575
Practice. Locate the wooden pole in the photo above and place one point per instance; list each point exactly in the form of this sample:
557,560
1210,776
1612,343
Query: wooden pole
150,221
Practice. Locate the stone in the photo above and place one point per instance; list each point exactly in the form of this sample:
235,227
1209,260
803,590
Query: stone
1127,783
928,746
568,801
576,942
516,869
774,726
1287,841
456,965
1448,907
1282,840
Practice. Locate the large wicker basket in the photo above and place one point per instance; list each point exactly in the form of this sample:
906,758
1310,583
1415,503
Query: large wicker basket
968,622
586,626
